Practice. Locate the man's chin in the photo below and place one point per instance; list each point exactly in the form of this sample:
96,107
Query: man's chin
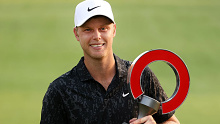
96,56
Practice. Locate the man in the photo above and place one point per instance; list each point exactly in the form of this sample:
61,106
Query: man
95,90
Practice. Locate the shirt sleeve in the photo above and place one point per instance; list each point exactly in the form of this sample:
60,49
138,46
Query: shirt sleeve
53,109
153,89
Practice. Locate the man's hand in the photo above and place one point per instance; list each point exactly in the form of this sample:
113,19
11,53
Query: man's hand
150,120
146,120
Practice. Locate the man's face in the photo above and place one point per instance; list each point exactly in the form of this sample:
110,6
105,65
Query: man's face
96,37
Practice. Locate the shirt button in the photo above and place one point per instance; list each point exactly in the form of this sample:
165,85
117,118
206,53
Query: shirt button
105,101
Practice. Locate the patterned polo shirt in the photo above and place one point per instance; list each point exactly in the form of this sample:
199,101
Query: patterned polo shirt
76,98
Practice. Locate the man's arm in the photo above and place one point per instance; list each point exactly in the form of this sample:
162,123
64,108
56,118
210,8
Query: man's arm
52,110
150,120
172,120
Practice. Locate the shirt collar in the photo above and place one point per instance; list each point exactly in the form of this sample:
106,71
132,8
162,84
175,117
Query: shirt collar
82,71
84,74
121,67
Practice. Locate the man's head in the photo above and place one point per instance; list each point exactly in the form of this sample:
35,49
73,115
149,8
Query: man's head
95,31
90,8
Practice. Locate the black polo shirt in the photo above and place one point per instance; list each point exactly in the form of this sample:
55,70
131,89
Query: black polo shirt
76,98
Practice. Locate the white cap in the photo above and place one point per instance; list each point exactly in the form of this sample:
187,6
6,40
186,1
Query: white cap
89,8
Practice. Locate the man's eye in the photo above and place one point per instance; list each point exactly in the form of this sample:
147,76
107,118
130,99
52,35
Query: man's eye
87,30
103,29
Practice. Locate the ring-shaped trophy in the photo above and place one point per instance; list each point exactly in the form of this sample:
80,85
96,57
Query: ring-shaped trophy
148,105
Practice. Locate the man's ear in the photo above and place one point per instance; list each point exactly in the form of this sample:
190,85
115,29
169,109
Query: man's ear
114,32
75,30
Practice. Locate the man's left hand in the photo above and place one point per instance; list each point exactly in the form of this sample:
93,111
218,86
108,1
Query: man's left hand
145,120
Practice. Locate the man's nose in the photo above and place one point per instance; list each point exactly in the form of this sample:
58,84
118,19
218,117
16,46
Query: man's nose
96,35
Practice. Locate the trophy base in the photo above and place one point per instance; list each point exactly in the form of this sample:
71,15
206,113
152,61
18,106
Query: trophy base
148,106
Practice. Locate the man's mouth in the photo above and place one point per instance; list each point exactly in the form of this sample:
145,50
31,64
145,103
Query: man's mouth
97,45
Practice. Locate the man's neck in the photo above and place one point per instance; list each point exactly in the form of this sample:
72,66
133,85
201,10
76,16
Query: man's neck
102,70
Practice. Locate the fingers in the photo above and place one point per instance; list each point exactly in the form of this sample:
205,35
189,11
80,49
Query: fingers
146,120
132,120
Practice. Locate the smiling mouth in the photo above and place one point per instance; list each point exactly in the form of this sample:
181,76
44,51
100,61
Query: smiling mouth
97,45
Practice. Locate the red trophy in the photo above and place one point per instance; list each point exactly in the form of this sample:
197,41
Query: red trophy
148,105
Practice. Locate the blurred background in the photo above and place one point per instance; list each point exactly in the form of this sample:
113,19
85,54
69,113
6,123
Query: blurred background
37,45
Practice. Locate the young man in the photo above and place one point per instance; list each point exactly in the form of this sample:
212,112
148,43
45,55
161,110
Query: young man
95,90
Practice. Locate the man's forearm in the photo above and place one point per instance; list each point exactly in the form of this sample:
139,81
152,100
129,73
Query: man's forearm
172,120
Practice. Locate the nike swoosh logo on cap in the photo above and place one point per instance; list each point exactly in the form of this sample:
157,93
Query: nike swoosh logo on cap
92,8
